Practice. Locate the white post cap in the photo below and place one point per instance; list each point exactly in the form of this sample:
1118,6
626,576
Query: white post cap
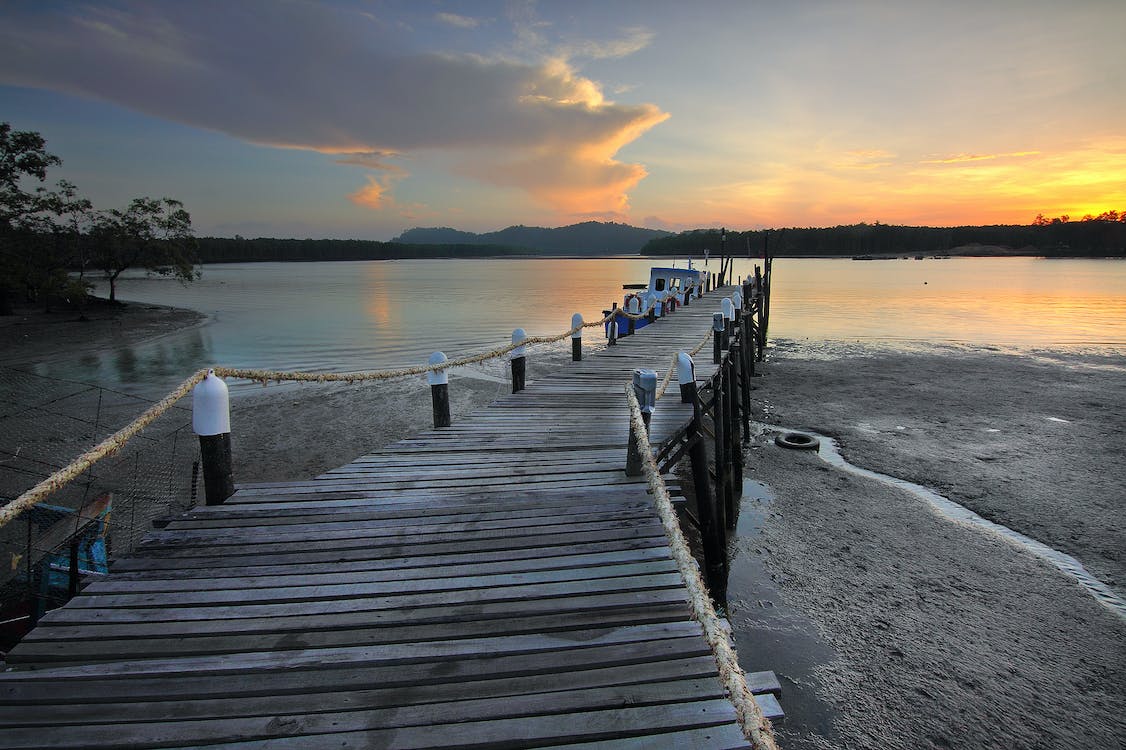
728,308
438,377
634,305
685,369
645,388
518,336
211,406
576,322
737,298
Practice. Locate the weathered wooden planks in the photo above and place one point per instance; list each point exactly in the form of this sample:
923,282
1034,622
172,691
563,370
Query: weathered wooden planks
496,583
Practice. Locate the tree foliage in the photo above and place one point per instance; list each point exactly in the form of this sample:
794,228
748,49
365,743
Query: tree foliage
51,239
151,233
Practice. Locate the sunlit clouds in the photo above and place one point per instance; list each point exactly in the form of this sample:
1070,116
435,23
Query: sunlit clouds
363,119
301,76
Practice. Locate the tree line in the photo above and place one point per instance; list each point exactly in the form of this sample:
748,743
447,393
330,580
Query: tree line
1093,236
52,239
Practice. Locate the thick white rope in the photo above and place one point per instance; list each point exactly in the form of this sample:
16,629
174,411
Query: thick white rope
754,724
107,447
117,441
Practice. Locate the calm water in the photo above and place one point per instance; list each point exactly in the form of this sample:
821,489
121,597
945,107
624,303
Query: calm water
362,315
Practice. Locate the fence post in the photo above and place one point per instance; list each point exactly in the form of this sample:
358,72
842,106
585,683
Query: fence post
686,375
519,361
577,338
719,420
633,308
645,388
651,313
613,325
737,301
439,390
713,534
738,420
211,420
728,308
717,337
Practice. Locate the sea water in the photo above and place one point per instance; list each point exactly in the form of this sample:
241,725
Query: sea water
345,316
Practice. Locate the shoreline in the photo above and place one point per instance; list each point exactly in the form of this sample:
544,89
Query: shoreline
33,337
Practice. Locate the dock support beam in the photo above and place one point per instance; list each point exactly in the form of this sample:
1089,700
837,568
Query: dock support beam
439,391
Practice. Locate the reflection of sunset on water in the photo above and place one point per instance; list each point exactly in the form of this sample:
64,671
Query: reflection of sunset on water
1002,301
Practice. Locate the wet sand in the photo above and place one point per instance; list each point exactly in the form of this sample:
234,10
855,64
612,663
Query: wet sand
33,336
929,633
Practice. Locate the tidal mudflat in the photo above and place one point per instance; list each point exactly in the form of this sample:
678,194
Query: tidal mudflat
933,633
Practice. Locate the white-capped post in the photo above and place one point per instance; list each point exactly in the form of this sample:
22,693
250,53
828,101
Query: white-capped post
634,308
576,337
737,300
439,390
686,376
645,389
519,363
211,420
728,308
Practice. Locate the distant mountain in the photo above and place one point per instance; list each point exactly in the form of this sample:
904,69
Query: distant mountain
587,238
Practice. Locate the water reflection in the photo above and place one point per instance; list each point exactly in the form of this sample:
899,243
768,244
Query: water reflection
363,315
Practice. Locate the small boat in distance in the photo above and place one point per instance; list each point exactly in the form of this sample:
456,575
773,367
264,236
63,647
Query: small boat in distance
665,285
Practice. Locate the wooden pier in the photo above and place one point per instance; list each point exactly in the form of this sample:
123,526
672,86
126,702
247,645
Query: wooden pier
497,583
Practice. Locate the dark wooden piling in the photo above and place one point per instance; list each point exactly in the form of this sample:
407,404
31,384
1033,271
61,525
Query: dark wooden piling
440,399
613,325
519,367
713,534
218,474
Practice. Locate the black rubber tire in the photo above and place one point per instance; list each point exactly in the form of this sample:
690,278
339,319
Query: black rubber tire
797,440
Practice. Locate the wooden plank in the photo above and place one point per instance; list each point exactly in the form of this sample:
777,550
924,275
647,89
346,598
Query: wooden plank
497,583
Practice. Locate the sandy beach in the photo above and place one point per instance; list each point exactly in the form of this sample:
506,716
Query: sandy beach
890,626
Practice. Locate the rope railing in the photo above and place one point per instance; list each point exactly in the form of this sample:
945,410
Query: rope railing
754,724
117,441
672,365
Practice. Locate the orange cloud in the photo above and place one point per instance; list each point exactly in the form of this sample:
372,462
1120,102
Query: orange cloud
372,195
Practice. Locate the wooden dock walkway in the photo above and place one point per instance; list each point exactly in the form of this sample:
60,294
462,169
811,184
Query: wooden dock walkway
499,583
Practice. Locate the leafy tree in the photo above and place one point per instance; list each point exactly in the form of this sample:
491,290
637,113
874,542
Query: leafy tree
23,155
151,233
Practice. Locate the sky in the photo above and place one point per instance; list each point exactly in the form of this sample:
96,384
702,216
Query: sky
364,118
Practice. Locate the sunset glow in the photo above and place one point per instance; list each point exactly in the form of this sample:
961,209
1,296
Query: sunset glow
358,119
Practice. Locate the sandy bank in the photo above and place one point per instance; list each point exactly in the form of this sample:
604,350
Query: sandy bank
935,634
33,336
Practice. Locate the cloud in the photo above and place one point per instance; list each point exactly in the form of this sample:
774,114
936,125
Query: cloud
371,195
374,160
306,76
453,19
961,158
634,40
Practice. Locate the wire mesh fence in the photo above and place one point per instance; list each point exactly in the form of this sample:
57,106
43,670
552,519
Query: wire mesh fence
44,423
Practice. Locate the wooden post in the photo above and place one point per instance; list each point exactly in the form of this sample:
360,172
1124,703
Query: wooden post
577,337
72,579
735,383
439,391
211,420
645,388
729,441
719,419
728,308
613,325
519,362
712,531
685,375
633,308
651,313
717,337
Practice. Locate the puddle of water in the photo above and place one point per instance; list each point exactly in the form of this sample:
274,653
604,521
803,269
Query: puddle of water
768,634
1070,566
